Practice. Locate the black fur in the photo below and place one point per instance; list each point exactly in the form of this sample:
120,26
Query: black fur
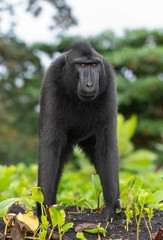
79,106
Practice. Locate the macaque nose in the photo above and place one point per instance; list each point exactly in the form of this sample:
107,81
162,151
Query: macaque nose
89,84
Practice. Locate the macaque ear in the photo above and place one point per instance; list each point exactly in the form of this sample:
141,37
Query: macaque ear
66,56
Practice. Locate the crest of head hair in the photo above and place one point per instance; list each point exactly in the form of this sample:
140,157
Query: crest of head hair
82,46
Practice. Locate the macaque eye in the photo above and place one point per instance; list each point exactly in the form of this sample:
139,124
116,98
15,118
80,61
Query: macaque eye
83,65
94,65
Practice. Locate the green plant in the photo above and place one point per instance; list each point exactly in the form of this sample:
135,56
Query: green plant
4,205
81,203
37,195
98,230
150,215
81,236
131,159
27,221
57,216
129,215
144,198
95,229
139,198
98,188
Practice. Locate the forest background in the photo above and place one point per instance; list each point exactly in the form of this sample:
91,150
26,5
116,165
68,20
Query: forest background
136,57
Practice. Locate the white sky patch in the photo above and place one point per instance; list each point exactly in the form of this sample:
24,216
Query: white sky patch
117,15
93,17
19,82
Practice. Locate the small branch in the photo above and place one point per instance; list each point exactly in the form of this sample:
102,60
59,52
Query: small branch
128,195
117,235
51,233
25,238
147,227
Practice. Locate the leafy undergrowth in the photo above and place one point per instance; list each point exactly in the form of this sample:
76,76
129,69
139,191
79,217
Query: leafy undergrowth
141,194
140,219
58,222
89,221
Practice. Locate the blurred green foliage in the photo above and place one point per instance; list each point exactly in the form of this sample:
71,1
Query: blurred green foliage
16,180
131,159
76,186
137,58
20,75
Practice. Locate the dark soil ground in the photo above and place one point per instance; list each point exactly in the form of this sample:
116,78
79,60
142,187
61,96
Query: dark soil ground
115,230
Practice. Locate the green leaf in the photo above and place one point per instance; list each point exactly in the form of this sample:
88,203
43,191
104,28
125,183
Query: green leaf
67,226
53,216
129,212
142,197
36,194
42,234
97,183
158,206
135,183
61,216
159,196
124,134
136,210
4,183
130,126
81,236
82,202
150,199
139,160
4,205
147,210
57,216
96,230
45,222
118,210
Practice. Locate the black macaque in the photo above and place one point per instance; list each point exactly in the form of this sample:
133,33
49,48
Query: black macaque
78,105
